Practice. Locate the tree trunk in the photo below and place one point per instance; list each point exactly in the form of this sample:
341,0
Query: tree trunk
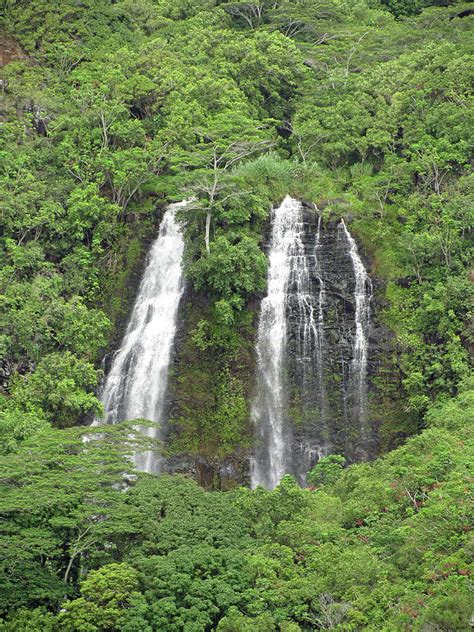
208,230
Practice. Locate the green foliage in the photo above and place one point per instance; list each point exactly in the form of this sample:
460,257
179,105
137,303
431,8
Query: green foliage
61,501
17,423
235,621
232,269
455,413
49,29
61,386
411,7
107,594
218,427
36,620
327,470
384,546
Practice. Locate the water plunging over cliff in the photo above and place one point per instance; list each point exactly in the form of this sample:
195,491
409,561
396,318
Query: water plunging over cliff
271,461
312,347
136,385
362,294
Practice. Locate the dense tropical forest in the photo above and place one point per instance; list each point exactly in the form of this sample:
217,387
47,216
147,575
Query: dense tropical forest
113,109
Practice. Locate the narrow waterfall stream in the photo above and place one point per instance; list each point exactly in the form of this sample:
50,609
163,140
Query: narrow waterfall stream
271,460
312,349
363,295
320,338
136,384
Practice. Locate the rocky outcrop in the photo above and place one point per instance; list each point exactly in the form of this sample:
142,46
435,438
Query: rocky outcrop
336,425
10,50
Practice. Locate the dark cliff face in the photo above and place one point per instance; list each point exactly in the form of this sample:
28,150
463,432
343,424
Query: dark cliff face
324,408
323,413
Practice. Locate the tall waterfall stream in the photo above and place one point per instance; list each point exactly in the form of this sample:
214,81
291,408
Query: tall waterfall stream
292,349
287,262
363,295
136,384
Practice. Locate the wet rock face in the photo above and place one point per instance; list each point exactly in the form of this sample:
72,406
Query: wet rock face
5,374
211,473
324,407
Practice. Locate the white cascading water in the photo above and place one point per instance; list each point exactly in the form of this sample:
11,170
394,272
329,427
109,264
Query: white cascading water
136,385
321,301
269,464
305,325
289,267
362,295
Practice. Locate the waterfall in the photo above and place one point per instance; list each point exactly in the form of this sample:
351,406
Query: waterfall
271,460
321,301
291,306
312,349
305,347
362,296
136,385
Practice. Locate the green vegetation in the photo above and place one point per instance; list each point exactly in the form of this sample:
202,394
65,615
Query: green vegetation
382,546
110,110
